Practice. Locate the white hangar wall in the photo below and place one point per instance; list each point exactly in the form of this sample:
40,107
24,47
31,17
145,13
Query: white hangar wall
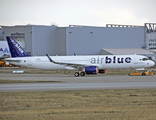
90,40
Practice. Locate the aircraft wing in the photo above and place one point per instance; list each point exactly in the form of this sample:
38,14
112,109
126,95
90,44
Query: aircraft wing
74,65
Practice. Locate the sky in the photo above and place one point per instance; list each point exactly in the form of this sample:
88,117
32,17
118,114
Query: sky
77,12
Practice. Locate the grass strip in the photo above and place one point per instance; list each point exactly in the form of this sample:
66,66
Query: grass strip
135,104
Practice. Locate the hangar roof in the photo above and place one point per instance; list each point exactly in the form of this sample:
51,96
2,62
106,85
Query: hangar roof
126,51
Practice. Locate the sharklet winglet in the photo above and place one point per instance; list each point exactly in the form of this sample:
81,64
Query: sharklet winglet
51,59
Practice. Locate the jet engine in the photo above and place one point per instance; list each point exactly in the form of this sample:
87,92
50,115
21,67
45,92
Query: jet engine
91,70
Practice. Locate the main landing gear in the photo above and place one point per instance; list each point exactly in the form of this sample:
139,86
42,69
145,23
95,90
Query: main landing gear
81,73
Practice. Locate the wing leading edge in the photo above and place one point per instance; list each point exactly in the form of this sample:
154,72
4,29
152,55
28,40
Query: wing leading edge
74,65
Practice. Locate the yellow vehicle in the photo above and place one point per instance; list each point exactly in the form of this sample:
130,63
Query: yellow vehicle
142,73
4,64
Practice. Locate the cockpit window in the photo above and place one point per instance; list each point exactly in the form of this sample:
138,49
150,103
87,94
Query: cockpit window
144,59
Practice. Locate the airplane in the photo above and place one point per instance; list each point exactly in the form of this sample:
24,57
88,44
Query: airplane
90,64
2,55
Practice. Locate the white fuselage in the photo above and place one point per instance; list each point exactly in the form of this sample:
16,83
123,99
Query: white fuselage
102,61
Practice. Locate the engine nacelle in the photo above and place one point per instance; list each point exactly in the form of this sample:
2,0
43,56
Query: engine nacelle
91,70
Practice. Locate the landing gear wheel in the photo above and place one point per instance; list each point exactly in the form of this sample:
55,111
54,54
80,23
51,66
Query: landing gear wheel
143,74
82,73
76,74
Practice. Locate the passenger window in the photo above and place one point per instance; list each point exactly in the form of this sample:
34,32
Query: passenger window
24,60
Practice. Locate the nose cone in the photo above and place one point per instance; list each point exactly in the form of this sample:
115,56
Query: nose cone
152,63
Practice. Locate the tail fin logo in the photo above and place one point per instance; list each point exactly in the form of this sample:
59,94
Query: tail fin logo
17,45
15,49
19,48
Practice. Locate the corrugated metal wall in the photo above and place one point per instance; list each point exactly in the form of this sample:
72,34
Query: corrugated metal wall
43,40
90,40
53,40
17,31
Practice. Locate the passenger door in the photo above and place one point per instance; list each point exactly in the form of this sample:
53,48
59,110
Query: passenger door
135,59
29,62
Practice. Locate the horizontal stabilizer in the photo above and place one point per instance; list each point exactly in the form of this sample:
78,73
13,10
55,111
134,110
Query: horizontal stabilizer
10,60
2,55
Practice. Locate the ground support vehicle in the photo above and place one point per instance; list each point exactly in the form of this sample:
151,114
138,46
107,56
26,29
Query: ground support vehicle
149,72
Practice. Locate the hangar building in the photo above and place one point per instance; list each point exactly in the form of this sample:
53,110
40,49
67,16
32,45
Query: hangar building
82,40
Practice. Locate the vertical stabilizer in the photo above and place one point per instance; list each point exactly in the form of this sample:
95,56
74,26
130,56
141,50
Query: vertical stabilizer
15,49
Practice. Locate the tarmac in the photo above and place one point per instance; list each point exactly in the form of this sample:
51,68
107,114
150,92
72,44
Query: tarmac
69,82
